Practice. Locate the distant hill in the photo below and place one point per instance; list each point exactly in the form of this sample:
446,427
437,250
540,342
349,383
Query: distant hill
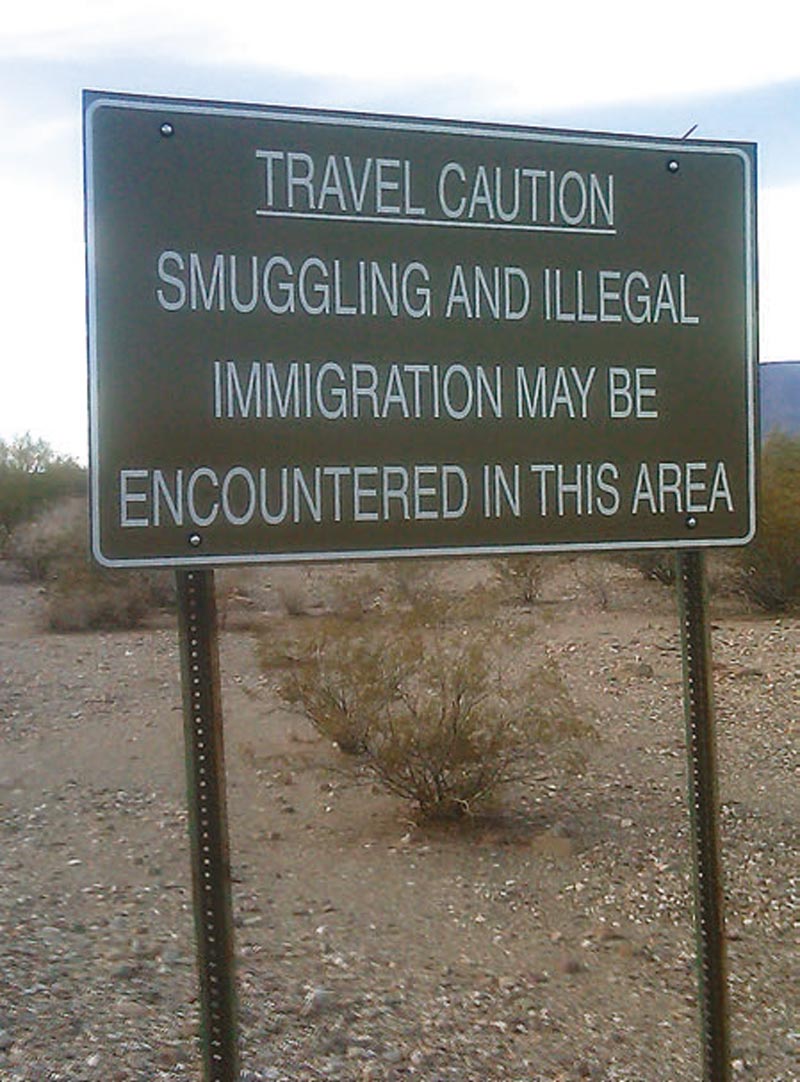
780,397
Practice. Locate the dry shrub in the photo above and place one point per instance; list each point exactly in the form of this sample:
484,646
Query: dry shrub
592,573
769,567
416,591
54,536
410,582
433,715
341,682
520,577
243,595
83,597
722,574
293,591
655,565
352,594
324,590
53,549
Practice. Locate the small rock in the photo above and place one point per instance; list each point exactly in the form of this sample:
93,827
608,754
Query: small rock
317,1001
570,966
336,1044
608,933
124,971
53,937
551,843
171,956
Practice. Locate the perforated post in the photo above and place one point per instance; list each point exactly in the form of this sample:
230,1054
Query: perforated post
208,828
704,808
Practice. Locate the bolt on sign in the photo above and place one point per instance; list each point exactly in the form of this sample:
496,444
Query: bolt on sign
319,335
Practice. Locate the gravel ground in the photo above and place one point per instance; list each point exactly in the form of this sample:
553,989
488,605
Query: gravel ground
552,940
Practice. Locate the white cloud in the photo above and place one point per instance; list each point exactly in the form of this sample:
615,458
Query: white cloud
779,244
507,60
42,286
531,55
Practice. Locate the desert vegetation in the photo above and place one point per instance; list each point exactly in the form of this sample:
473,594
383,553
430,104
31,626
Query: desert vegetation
32,477
769,567
439,868
433,701
521,577
44,528
402,675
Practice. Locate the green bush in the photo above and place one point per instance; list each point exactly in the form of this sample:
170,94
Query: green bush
769,567
433,714
32,477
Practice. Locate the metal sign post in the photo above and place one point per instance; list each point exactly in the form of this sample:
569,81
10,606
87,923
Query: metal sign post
208,827
704,805
317,335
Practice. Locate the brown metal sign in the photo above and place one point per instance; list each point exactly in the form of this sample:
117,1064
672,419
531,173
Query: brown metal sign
318,335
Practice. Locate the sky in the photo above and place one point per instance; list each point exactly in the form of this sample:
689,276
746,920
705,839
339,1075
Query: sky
731,69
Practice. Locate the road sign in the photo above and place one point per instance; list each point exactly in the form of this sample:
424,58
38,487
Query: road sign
318,335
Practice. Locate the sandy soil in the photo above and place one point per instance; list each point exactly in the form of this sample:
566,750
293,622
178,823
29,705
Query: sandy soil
551,940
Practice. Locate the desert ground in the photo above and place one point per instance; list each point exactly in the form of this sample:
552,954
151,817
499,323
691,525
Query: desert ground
548,938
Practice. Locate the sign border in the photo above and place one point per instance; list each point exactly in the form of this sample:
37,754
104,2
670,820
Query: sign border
746,152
